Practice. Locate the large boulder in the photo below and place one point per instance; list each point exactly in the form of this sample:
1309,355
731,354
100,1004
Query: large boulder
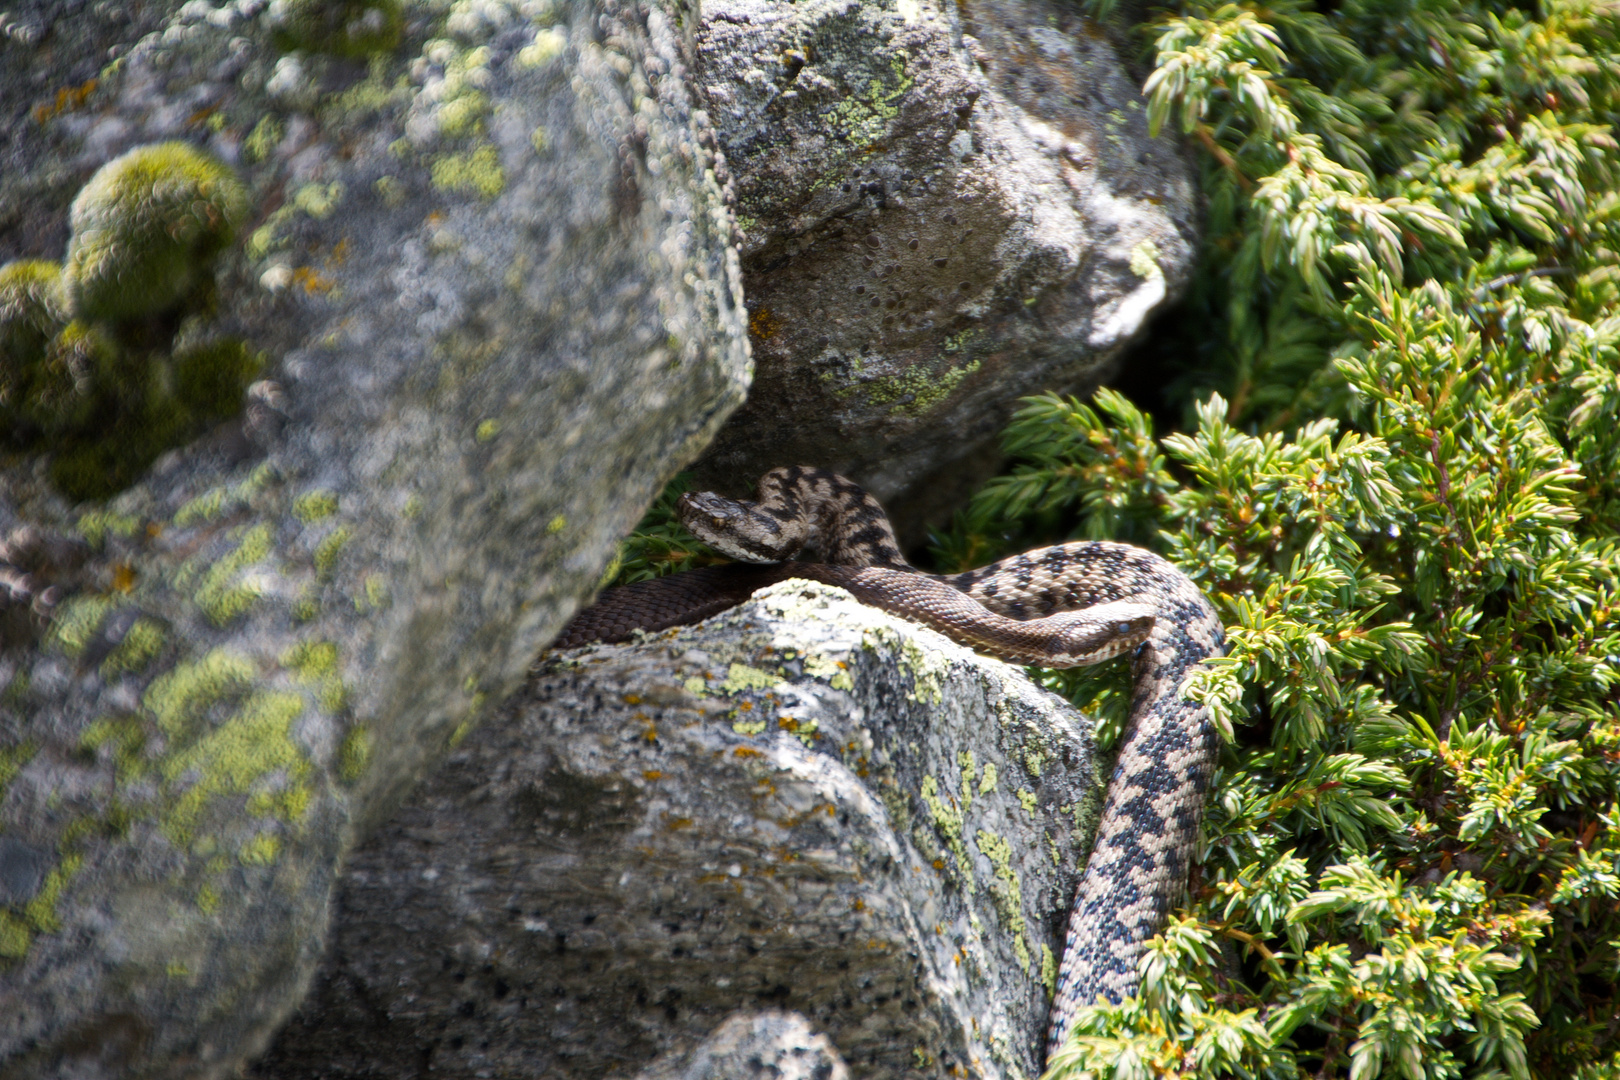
943,207
483,281
804,804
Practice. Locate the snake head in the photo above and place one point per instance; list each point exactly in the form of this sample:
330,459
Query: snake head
1101,632
735,529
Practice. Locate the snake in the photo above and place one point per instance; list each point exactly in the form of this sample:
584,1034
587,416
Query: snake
1067,605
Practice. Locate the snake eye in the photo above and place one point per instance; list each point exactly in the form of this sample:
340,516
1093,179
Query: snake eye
1124,628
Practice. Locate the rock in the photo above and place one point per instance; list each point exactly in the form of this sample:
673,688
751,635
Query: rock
933,226
804,804
755,1046
484,292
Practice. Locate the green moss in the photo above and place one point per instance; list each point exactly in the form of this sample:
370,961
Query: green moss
1048,970
355,753
351,28
327,552
250,746
487,430
478,173
223,595
211,379
145,228
181,697
141,644
1026,799
315,506
77,622
59,394
556,525
33,310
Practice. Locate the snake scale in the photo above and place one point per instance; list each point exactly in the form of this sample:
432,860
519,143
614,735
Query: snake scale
1061,606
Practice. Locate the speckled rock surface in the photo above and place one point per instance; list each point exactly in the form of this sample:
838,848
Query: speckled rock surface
755,1046
803,804
488,269
934,225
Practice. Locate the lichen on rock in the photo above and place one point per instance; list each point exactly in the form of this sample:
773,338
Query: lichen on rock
731,816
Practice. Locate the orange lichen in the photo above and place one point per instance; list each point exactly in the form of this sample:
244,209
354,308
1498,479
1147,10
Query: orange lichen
763,323
68,99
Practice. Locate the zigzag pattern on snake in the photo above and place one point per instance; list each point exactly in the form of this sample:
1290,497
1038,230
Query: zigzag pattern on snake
1070,604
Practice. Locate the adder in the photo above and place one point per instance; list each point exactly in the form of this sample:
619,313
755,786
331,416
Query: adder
1062,606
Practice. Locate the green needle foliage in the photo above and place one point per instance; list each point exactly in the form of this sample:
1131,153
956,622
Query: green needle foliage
1404,505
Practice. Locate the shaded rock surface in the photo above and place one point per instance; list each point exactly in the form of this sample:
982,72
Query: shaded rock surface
804,804
944,207
755,1046
489,269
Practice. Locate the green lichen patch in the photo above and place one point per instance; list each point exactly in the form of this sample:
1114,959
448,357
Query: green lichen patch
179,699
327,552
355,753
146,227
141,644
97,525
836,672
251,746
263,139
126,735
78,621
478,173
224,594
315,506
1048,970
1006,891
740,677
947,819
261,850
315,664
351,28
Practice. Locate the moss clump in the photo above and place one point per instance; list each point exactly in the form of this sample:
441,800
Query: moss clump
33,309
210,379
338,27
59,394
138,407
145,228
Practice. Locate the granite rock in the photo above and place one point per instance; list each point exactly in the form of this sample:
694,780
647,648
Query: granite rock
944,207
487,268
803,804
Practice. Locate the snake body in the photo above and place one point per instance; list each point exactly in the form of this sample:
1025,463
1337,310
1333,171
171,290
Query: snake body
1066,605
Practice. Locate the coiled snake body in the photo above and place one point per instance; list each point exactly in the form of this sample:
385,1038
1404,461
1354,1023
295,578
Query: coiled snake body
1062,606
